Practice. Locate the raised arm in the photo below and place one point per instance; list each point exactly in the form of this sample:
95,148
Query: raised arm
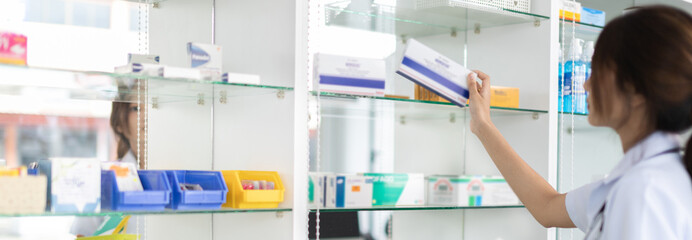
544,203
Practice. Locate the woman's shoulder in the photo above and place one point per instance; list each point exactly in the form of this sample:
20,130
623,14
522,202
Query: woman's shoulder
657,181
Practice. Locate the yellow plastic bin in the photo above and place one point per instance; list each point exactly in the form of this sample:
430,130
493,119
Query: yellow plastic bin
240,198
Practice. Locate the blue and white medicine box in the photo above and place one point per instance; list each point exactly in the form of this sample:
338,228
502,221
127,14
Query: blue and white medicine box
349,75
593,16
139,69
140,64
349,191
207,58
75,185
435,72
241,78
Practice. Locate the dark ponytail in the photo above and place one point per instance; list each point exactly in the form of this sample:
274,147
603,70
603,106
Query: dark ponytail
649,51
120,123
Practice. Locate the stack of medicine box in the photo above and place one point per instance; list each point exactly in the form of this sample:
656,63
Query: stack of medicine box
366,190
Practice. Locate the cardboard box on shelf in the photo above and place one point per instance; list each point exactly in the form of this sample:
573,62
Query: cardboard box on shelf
507,97
570,10
470,191
435,72
397,189
350,75
22,195
75,185
207,58
592,16
13,48
349,191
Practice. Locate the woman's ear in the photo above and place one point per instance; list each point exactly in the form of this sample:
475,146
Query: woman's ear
637,100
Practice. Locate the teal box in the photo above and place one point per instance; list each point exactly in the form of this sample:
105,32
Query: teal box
397,189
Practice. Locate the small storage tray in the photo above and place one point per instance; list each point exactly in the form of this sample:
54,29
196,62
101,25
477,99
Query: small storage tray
240,198
156,194
213,195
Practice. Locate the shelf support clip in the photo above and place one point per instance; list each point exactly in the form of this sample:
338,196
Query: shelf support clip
155,102
200,99
224,97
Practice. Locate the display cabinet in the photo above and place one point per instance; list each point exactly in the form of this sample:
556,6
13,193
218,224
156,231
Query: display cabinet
359,134
588,153
60,106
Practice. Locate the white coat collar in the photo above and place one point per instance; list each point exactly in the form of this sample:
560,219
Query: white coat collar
652,145
129,158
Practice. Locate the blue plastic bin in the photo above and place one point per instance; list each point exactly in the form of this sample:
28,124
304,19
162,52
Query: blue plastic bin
213,195
155,197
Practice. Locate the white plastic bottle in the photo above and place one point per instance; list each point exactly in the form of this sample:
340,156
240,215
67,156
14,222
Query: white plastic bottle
586,58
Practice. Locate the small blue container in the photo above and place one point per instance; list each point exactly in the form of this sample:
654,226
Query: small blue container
155,197
213,195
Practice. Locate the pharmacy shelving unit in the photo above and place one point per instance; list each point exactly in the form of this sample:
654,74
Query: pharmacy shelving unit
288,125
388,134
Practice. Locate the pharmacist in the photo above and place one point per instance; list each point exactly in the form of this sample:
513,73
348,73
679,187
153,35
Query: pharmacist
641,87
123,121
126,128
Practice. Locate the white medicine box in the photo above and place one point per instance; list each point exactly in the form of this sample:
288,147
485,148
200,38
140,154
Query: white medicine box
350,75
470,191
349,191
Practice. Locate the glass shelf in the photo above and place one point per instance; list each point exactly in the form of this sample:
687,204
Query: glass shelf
47,83
146,1
575,114
442,18
413,208
349,106
588,32
165,212
578,122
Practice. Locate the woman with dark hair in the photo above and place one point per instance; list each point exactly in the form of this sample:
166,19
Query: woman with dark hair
124,123
641,86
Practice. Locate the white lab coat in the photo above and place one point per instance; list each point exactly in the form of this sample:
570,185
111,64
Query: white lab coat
648,195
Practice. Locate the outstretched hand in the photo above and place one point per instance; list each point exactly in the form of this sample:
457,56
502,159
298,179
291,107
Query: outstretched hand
479,101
